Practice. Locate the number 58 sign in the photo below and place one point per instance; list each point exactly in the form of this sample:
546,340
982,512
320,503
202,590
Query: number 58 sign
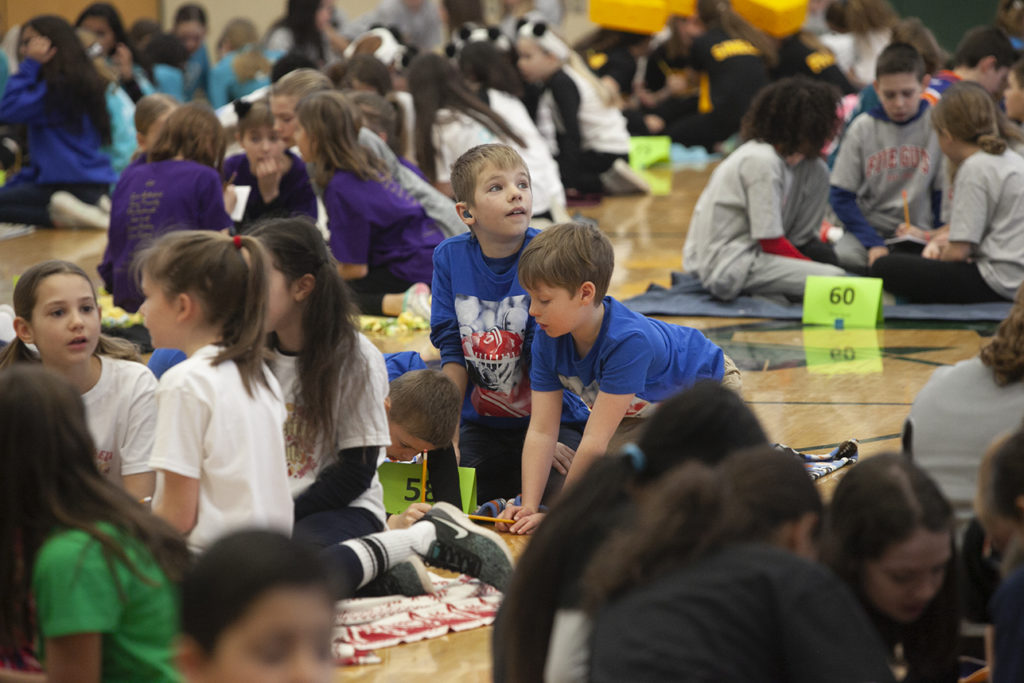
843,302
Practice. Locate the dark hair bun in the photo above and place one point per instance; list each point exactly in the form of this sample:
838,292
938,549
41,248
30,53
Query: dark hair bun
241,108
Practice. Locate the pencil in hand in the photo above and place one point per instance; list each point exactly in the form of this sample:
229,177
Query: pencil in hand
423,479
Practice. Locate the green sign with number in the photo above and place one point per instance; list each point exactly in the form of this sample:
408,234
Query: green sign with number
402,486
843,302
647,150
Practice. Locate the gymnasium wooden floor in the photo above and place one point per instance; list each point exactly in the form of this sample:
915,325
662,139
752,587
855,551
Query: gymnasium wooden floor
805,406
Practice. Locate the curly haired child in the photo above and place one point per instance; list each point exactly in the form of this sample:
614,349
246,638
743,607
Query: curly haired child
755,227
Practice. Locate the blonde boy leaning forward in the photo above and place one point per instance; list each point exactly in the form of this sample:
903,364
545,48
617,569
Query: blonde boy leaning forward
619,362
481,324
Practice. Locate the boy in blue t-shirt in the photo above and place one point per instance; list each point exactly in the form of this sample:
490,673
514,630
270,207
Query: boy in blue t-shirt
619,362
481,324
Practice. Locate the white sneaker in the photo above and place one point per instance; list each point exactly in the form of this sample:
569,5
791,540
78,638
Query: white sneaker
622,179
68,211
9,231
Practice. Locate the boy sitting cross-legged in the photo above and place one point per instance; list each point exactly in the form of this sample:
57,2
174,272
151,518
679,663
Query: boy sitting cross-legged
619,362
888,154
481,324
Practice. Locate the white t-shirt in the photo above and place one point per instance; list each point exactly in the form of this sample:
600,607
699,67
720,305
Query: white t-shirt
359,422
988,211
121,412
208,428
602,126
455,133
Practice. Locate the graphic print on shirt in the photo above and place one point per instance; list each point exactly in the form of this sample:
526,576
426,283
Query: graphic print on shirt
299,443
638,408
899,164
103,461
492,334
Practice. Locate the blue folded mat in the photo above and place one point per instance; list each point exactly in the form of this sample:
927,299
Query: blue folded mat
687,297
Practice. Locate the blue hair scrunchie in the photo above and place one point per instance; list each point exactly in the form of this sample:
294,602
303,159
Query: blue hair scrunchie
636,456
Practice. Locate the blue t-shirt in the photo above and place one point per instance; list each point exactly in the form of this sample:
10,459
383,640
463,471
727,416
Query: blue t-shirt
169,80
224,85
402,362
1007,609
633,354
122,128
163,360
196,73
480,319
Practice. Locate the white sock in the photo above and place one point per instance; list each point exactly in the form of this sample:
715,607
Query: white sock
379,552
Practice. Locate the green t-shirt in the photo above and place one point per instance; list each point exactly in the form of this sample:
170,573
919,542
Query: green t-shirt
76,592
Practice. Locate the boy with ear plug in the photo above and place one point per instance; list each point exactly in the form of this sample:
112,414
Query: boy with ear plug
480,322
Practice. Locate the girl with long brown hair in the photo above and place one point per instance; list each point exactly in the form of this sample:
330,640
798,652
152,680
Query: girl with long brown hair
98,567
980,256
57,313
381,236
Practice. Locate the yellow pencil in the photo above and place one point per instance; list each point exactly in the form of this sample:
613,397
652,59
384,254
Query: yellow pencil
906,209
495,520
423,479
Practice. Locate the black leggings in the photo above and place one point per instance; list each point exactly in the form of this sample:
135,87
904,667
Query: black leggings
369,290
29,203
927,281
587,177
819,251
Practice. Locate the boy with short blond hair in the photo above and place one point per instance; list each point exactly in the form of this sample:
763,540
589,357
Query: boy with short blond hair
480,321
423,408
423,413
619,362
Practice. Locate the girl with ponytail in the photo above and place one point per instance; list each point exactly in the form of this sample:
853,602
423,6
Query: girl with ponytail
544,601
979,255
335,386
219,443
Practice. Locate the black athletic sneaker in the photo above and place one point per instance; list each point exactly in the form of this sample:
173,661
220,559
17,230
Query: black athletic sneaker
407,578
464,547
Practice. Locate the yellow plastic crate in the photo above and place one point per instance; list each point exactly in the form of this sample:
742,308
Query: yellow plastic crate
636,16
779,18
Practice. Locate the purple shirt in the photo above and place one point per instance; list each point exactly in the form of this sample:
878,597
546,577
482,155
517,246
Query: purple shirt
295,194
379,224
152,199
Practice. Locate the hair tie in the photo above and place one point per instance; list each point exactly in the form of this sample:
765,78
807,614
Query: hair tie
241,108
636,456
237,241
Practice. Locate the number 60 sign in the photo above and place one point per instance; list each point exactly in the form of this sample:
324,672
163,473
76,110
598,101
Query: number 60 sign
842,302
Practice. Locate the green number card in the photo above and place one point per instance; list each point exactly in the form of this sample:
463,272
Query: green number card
402,486
843,302
842,352
660,180
648,150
